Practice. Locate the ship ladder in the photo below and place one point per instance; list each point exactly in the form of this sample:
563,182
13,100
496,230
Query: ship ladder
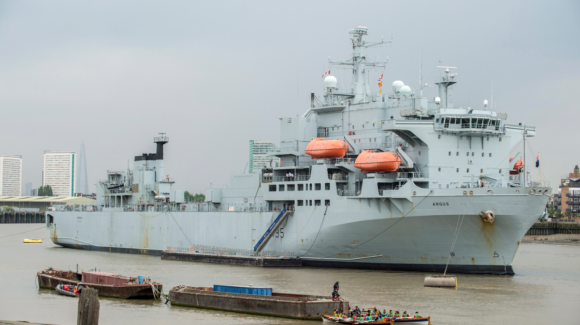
268,234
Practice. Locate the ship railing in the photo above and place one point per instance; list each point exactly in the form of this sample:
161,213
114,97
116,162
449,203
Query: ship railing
297,178
347,193
338,161
159,139
412,175
226,251
338,176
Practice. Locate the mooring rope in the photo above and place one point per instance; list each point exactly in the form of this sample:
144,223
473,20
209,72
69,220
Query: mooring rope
457,227
22,232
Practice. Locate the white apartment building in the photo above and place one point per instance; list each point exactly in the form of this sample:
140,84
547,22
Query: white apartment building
259,155
59,172
10,175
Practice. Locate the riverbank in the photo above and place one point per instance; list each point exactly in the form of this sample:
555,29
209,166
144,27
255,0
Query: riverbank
18,322
558,239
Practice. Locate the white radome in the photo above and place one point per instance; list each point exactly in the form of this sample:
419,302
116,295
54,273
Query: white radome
405,91
330,82
437,100
397,85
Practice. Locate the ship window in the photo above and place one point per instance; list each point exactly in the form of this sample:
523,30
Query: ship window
300,203
458,170
317,203
272,188
310,202
483,154
290,187
450,153
326,202
333,128
301,187
311,187
447,185
482,170
500,138
373,124
437,121
327,186
439,136
370,140
419,153
353,127
490,154
468,170
281,188
439,168
363,126
457,153
465,123
500,171
467,154
317,186
472,154
375,139
488,138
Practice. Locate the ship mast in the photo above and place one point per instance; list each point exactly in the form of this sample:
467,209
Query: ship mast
360,80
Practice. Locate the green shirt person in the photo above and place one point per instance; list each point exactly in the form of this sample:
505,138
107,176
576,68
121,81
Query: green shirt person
417,315
390,314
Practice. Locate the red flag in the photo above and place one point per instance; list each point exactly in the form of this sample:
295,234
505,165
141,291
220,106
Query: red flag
381,78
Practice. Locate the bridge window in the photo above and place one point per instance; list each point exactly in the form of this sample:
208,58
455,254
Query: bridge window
327,202
281,188
450,153
327,186
437,121
300,203
458,170
465,123
300,187
317,203
467,154
290,187
310,202
468,170
483,154
317,186
311,187
457,154
472,154
272,188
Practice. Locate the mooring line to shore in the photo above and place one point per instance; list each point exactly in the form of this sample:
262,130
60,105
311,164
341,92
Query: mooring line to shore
21,232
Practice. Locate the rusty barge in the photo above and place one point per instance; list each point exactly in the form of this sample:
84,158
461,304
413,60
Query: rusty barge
269,304
108,284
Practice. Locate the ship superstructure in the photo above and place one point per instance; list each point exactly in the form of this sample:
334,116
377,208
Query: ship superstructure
452,181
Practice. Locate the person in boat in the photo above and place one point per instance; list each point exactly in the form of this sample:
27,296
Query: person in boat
356,311
397,314
405,314
384,313
335,287
390,314
335,314
417,315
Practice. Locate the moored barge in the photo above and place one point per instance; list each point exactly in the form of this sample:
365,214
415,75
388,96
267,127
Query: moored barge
107,284
260,302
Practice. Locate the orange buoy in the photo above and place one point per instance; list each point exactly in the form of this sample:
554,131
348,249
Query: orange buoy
517,166
371,162
319,148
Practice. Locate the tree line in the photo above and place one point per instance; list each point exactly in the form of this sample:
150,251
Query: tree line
194,197
45,190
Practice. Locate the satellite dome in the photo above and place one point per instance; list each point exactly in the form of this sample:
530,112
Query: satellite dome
330,82
397,85
405,91
437,100
485,102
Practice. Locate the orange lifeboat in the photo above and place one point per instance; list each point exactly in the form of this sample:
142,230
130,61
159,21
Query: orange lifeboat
319,148
372,162
517,166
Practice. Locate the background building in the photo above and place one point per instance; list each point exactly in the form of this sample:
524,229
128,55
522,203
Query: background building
59,172
27,189
259,154
11,175
82,180
568,201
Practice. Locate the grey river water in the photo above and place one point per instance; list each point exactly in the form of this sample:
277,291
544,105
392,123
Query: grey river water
546,289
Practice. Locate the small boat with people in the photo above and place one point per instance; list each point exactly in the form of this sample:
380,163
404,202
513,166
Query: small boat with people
107,284
374,316
69,290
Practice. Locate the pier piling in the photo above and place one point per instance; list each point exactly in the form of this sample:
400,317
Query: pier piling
88,312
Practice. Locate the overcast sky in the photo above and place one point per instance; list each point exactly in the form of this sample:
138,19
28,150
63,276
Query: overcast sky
214,74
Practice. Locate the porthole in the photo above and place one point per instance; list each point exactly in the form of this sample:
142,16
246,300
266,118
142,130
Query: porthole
490,192
532,192
517,191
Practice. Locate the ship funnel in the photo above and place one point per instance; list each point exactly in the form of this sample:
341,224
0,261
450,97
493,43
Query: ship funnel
160,140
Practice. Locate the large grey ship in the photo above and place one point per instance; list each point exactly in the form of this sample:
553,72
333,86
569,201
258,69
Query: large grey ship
455,197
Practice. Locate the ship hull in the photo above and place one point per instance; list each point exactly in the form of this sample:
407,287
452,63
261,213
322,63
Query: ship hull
393,234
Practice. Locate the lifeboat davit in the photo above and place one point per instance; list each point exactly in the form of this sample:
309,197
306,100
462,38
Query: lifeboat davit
320,148
373,162
517,166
